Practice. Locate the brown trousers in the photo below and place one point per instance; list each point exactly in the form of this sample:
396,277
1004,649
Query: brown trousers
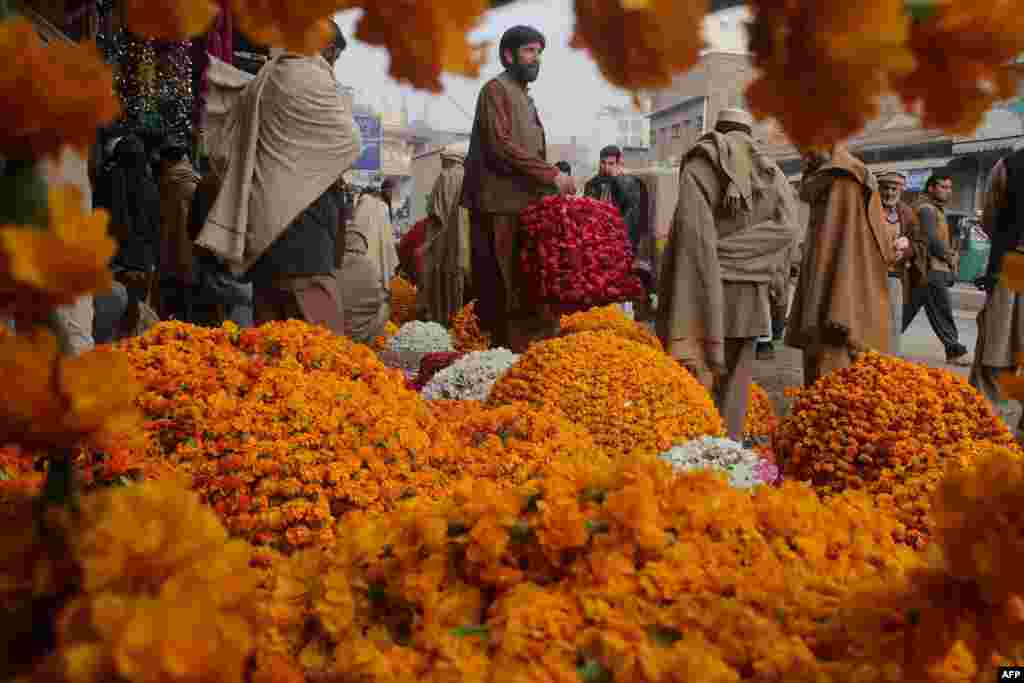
730,386
820,360
315,299
502,300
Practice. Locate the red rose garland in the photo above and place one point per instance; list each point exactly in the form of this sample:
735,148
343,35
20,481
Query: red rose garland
576,251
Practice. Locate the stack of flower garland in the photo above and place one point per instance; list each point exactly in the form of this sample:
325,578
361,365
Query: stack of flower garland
471,377
745,468
593,571
466,330
889,427
610,319
403,300
761,418
633,398
413,341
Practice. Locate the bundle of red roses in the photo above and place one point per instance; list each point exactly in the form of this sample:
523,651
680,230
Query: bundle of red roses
431,364
576,251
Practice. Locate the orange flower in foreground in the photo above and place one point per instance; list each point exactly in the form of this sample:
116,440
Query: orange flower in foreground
54,95
466,332
40,269
170,19
962,50
300,27
761,418
61,400
424,39
640,45
611,319
835,59
403,301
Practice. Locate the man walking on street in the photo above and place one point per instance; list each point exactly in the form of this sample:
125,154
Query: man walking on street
902,221
734,225
841,306
285,142
1001,320
934,246
505,172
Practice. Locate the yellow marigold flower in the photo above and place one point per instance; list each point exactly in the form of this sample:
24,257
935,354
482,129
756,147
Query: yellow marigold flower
62,400
40,269
631,397
466,332
400,25
164,594
889,427
640,45
612,319
843,54
963,49
59,94
170,19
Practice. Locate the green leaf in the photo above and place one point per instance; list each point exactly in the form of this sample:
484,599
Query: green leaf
531,502
376,593
597,526
476,630
920,10
591,671
521,533
593,496
913,616
24,198
457,529
665,637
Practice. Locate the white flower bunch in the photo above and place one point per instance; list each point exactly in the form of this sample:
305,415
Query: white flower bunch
745,468
416,339
471,377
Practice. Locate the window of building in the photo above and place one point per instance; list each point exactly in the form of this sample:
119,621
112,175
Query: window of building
699,123
677,131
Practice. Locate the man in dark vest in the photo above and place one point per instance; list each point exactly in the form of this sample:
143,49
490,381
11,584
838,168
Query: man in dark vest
1001,320
934,246
505,172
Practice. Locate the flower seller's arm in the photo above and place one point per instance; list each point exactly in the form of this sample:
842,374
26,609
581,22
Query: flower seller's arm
502,150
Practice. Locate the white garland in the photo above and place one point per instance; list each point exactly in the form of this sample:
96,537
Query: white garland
745,468
416,339
471,377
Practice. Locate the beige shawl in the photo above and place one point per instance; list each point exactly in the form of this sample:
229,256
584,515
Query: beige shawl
371,220
741,234
284,137
447,257
842,298
365,295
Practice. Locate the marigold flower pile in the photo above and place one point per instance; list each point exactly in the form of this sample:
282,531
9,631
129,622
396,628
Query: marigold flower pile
622,571
381,342
889,427
632,398
612,319
761,418
466,332
403,301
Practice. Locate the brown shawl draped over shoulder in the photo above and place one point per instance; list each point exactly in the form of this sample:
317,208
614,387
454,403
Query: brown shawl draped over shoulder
177,186
446,261
711,244
842,297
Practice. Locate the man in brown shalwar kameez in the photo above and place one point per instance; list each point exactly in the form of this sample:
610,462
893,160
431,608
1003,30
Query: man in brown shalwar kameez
1001,320
734,227
505,172
177,274
447,258
841,306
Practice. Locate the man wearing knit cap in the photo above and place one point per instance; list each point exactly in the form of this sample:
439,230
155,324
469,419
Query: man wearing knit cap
506,170
733,230
902,221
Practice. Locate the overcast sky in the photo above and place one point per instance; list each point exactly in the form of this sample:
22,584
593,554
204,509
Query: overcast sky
570,89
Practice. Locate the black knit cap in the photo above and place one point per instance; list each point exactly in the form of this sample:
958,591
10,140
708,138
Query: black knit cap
516,37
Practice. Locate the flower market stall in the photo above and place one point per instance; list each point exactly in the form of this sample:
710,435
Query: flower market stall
279,505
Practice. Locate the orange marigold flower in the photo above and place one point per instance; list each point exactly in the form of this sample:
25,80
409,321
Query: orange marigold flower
381,342
466,332
170,19
40,269
889,427
57,94
403,301
612,319
761,418
640,45
62,400
962,50
842,55
631,397
390,23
